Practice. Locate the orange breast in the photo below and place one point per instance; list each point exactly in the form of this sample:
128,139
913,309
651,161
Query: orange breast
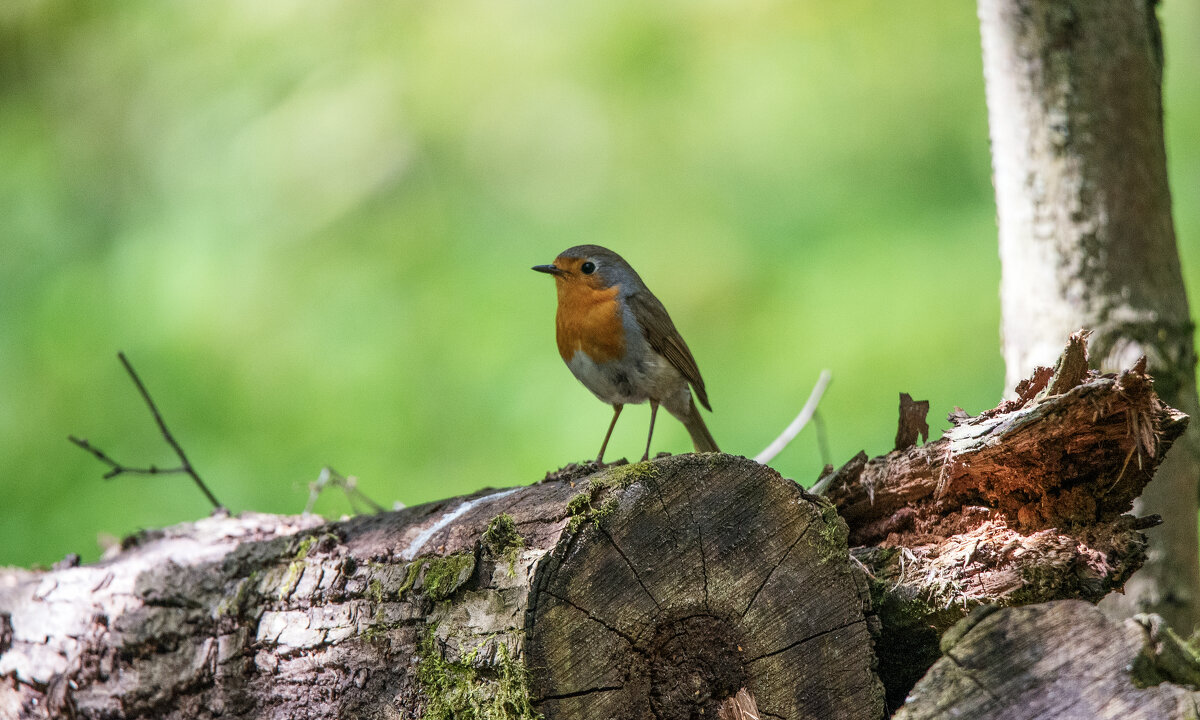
589,320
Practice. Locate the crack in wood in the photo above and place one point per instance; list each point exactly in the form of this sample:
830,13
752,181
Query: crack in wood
801,641
703,555
631,568
653,484
591,616
579,693
661,500
775,567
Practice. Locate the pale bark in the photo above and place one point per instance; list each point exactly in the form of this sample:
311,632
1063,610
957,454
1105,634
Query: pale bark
1086,235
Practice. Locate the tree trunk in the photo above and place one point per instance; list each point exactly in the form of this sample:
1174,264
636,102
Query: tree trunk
1086,236
1058,661
655,590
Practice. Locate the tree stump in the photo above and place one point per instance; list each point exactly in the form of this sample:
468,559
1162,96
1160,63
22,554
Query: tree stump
656,590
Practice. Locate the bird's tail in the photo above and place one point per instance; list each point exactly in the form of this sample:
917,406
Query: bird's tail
702,439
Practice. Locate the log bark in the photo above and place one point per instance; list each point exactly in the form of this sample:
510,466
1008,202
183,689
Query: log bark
1058,661
1074,94
656,590
1022,504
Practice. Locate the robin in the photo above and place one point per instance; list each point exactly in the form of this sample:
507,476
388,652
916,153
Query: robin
619,341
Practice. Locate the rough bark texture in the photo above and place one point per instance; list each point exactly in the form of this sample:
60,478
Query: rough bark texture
1086,236
1025,503
655,590
1058,661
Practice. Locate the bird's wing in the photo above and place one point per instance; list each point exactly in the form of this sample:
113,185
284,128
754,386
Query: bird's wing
660,332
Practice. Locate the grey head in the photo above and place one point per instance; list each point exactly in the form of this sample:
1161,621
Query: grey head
605,268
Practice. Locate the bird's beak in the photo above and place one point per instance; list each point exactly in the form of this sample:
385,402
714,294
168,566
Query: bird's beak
550,269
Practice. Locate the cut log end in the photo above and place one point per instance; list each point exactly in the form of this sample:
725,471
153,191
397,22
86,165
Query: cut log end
705,579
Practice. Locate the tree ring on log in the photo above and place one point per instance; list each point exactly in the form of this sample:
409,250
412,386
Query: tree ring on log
693,662
692,580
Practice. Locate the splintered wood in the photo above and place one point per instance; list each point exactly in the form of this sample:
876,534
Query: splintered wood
1023,503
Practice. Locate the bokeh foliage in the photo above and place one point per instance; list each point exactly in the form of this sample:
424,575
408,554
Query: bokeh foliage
310,226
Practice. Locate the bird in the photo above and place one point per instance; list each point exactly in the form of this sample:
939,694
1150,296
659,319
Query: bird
618,340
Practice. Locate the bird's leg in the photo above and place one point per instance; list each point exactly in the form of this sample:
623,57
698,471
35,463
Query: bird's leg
617,407
653,412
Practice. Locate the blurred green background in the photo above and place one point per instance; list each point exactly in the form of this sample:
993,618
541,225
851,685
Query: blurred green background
310,226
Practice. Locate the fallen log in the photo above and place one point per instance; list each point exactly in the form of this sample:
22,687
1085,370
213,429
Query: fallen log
1058,661
1022,504
689,586
659,590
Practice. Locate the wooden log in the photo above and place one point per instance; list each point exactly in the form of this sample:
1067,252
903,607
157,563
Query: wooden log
1022,504
655,590
1058,661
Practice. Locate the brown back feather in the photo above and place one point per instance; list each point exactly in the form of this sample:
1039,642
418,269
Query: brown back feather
660,332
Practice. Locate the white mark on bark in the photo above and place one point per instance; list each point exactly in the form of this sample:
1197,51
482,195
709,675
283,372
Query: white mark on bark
419,541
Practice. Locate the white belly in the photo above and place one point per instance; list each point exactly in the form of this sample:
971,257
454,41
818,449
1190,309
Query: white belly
631,383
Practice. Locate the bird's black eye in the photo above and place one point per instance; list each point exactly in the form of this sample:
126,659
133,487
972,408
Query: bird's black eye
588,268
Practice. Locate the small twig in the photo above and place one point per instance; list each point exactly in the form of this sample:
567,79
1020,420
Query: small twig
116,468
822,439
806,414
349,485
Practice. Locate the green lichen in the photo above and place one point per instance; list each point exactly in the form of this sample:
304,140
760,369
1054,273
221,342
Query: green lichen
834,533
578,508
410,576
606,509
1164,657
290,578
1039,584
623,476
460,691
306,545
584,506
579,504
235,603
375,590
296,567
444,575
501,541
377,627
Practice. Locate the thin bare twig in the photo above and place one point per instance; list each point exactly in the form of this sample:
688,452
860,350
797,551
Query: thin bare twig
349,485
116,468
822,438
798,424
